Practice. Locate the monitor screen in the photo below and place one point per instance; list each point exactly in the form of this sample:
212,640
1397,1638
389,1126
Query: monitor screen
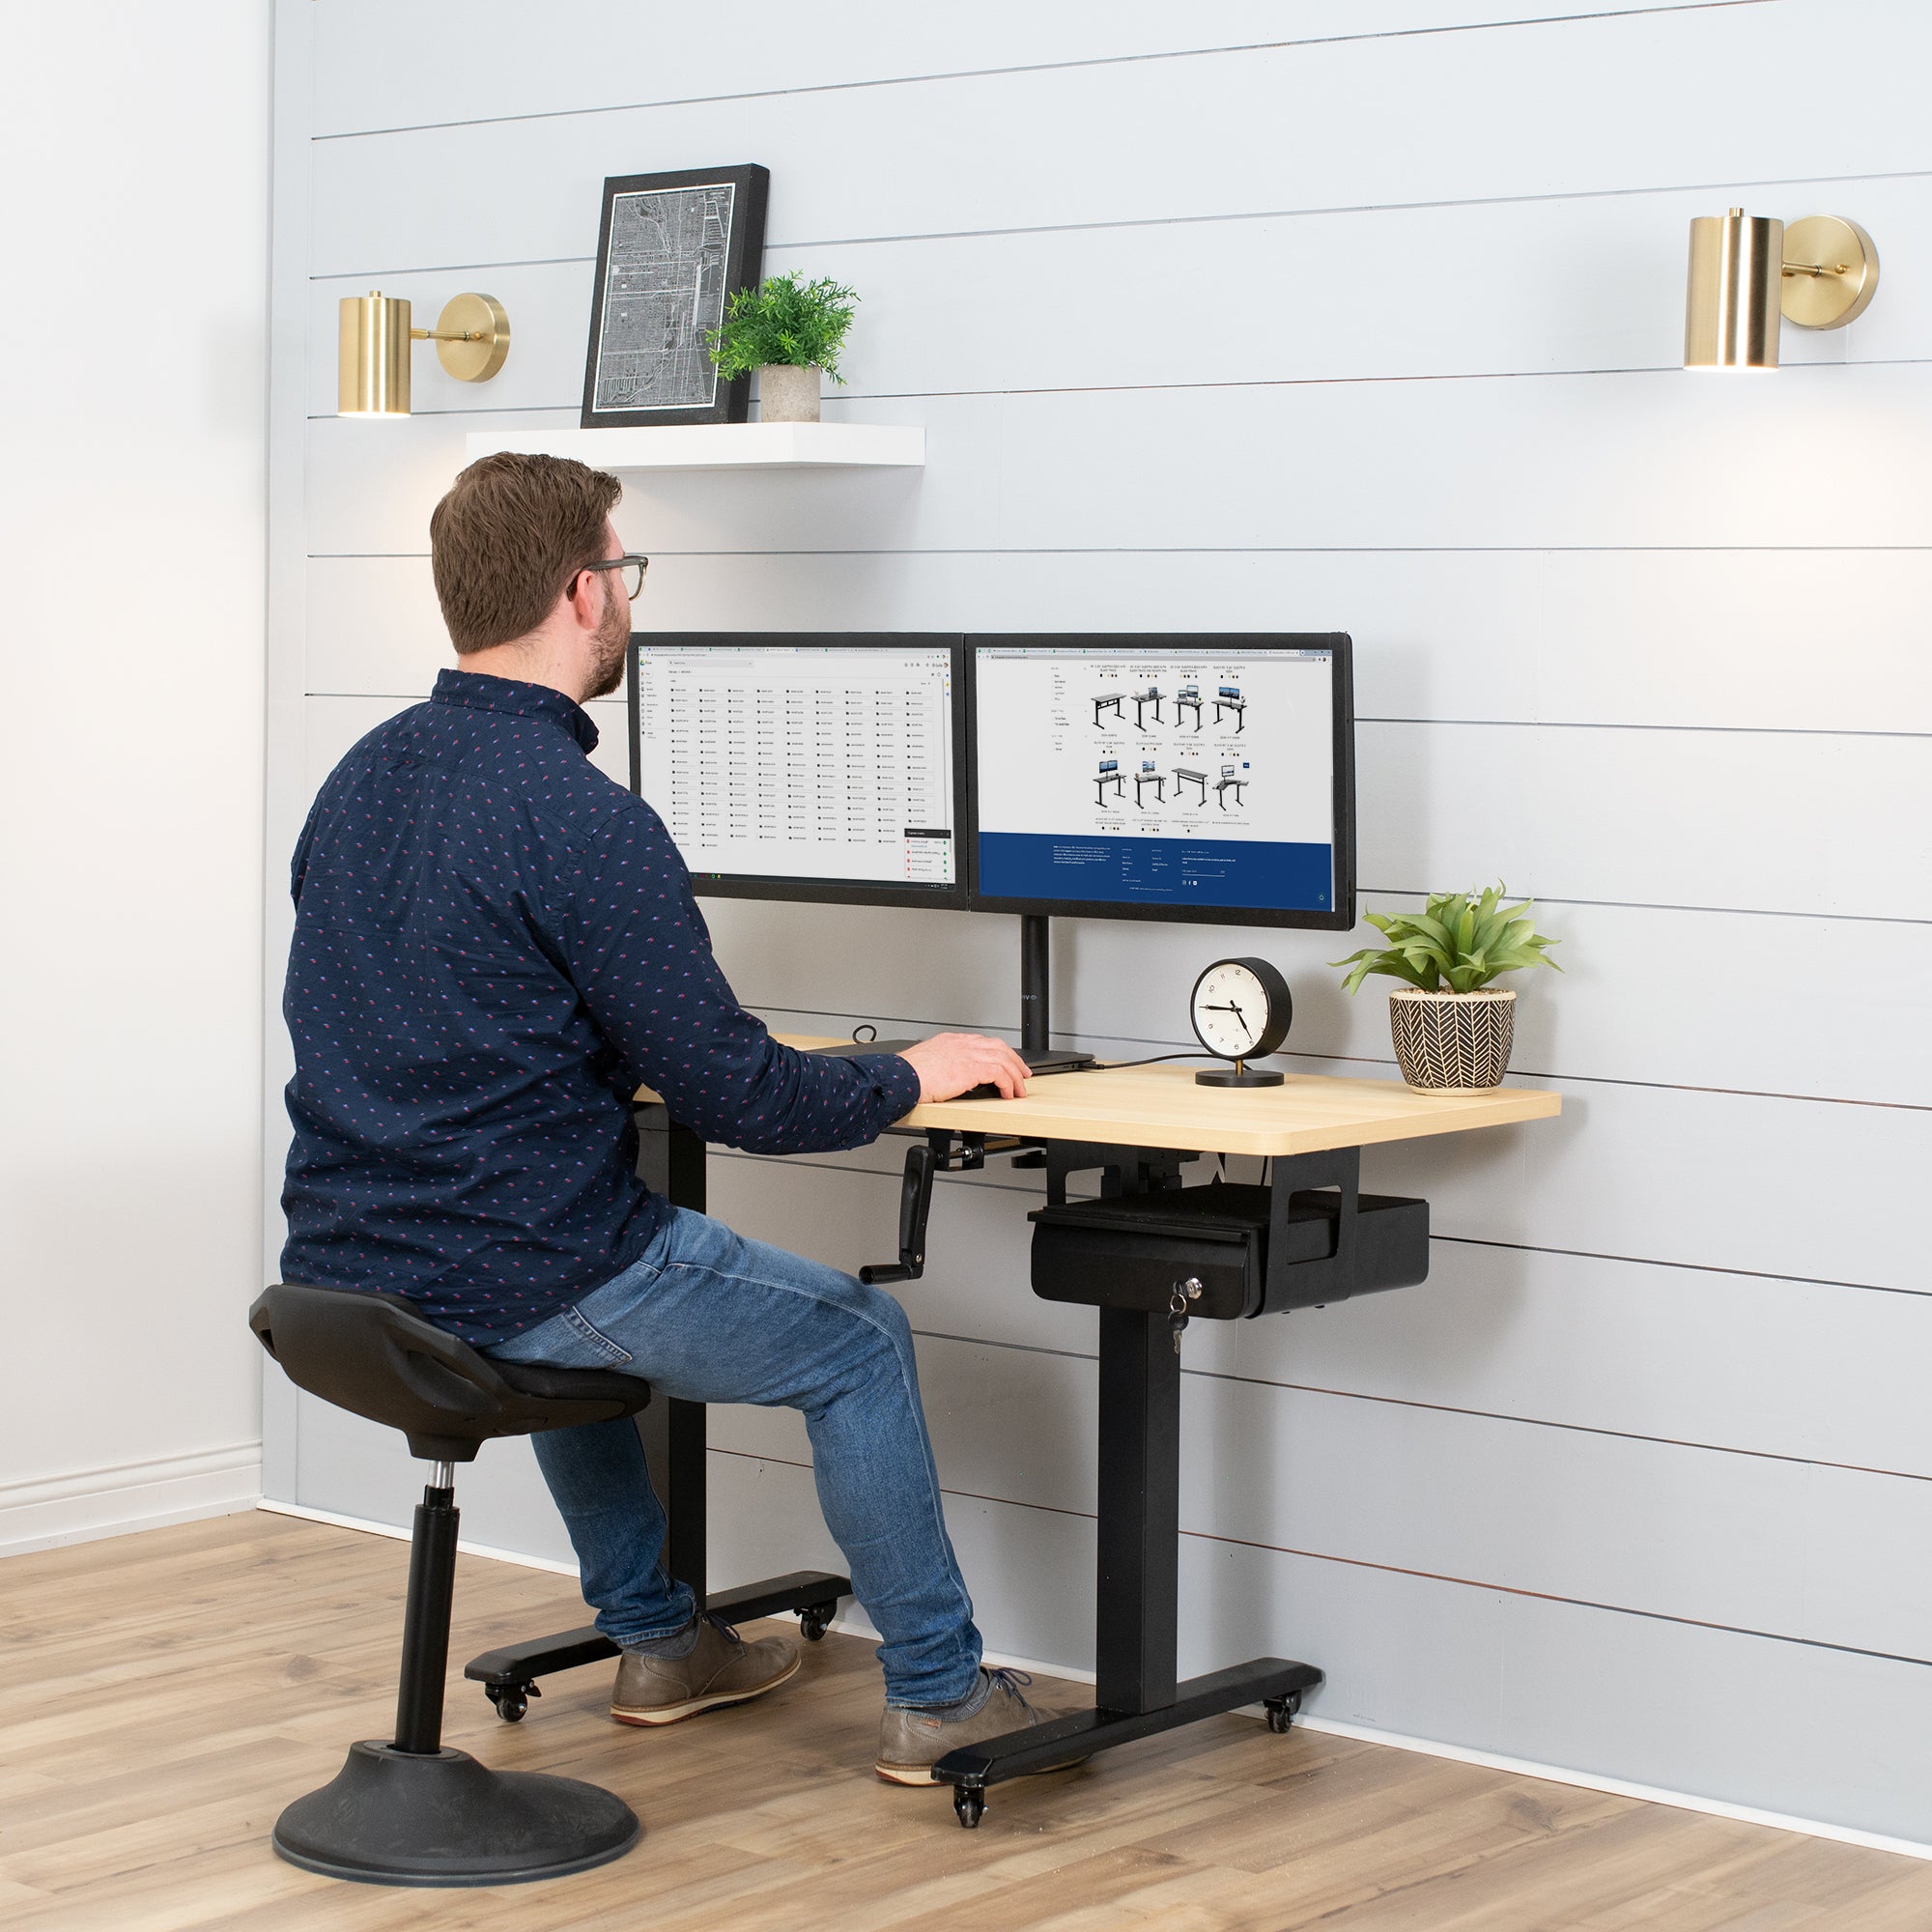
815,767
1172,777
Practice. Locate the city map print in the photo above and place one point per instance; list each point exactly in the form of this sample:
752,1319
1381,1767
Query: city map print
664,289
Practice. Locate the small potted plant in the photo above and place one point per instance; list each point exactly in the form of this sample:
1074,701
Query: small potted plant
1452,1029
788,330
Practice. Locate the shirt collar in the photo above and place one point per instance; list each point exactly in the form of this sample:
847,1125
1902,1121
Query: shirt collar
480,692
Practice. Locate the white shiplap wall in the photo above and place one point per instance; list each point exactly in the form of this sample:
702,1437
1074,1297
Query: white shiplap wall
1362,316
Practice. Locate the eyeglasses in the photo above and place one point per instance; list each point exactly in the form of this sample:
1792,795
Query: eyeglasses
632,567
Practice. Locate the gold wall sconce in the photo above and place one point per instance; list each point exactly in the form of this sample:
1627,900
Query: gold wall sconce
1747,270
472,337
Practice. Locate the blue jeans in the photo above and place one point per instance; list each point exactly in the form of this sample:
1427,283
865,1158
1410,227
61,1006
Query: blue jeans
707,1315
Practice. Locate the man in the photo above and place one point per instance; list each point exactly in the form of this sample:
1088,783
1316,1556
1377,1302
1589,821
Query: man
495,947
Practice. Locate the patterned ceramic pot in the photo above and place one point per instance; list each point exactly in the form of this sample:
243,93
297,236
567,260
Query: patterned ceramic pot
1452,1042
787,393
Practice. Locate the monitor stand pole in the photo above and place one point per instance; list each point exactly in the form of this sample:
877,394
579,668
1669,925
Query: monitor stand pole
1035,1010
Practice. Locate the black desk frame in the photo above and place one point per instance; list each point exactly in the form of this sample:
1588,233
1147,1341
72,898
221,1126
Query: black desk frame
1137,1689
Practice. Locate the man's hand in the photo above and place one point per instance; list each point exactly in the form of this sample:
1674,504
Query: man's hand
952,1063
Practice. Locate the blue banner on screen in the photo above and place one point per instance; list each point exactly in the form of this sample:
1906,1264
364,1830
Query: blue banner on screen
1176,871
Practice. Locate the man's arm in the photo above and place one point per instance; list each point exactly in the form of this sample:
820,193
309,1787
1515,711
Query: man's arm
638,950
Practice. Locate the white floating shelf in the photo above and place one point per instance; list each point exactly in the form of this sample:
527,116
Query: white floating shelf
819,445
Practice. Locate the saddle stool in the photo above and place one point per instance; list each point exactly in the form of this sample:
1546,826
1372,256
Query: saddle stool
408,1811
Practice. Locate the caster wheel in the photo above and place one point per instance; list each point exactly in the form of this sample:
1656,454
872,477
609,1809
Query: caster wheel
814,1623
1281,1711
969,1806
510,1701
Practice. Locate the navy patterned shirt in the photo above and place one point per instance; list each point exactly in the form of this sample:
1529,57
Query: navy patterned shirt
495,945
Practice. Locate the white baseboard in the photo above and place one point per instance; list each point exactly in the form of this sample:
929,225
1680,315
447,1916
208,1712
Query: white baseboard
90,1504
853,1623
401,1535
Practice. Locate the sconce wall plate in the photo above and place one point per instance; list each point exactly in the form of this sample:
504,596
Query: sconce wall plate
1831,271
372,376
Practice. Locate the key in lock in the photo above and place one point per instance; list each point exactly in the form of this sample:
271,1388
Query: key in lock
1185,1291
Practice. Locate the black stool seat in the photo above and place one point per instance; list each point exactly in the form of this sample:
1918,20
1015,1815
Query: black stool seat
412,1812
374,1355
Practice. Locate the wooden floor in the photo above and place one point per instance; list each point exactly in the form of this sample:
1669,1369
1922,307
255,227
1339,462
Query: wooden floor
168,1692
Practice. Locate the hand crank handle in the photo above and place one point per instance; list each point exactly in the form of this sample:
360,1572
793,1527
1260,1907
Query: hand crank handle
915,1206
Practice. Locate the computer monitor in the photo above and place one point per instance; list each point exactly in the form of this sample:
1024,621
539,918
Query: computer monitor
827,767
1245,809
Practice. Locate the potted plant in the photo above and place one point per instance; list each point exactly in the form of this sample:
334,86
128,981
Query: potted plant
1452,1029
788,330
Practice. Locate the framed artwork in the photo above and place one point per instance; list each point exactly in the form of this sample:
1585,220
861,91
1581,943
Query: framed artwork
672,248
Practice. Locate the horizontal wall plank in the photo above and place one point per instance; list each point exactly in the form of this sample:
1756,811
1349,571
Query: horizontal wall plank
1790,1549
1509,288
1674,102
1802,1370
1712,638
1734,821
499,66
1632,1004
1645,460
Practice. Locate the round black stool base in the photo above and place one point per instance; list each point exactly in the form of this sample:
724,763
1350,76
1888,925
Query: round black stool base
392,1818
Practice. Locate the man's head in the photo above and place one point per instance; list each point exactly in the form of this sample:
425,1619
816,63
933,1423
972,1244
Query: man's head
509,545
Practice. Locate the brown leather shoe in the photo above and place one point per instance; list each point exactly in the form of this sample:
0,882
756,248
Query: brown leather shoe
721,1668
912,1742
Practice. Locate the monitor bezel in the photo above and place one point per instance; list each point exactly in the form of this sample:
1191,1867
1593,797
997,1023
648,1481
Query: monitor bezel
1343,691
955,897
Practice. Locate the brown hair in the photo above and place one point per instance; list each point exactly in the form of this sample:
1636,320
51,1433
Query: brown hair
509,536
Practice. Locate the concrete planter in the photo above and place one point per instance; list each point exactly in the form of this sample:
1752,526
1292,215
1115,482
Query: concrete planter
1452,1042
787,393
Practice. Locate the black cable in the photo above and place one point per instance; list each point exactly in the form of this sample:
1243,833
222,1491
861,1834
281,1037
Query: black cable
1112,1066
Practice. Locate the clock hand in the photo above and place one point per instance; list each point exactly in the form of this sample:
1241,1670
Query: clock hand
1213,1006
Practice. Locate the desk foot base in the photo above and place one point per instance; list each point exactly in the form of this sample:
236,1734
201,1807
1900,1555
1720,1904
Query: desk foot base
509,1676
1275,1681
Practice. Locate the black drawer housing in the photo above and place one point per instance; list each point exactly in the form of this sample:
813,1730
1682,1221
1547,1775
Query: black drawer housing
1250,1254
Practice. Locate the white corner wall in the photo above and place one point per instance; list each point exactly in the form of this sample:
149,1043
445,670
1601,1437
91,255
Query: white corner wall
134,143
1364,316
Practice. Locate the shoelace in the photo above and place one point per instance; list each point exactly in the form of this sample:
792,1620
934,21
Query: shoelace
1010,1681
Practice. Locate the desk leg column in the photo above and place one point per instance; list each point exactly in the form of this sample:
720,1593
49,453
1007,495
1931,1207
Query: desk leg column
1137,1575
670,1161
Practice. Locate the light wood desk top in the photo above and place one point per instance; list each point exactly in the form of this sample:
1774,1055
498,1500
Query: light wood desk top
1161,1106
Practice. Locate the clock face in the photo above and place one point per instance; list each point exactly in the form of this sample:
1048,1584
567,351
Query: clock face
1241,1008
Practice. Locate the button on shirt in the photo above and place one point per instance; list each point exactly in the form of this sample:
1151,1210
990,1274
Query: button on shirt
496,946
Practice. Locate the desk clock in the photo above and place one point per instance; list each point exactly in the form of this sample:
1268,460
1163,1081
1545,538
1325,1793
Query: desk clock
1241,1010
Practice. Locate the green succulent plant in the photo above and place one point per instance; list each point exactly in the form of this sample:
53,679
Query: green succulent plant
783,320
1457,938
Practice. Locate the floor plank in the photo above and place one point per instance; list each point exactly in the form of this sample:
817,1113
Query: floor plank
174,1690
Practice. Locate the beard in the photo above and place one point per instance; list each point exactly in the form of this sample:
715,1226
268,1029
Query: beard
611,642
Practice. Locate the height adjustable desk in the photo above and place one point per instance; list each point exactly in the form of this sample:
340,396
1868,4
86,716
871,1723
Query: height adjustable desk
1151,1256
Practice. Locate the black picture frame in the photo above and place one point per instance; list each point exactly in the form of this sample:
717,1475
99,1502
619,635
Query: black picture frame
685,285
953,897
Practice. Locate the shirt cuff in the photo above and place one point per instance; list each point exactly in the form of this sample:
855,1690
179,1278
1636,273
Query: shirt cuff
896,1081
